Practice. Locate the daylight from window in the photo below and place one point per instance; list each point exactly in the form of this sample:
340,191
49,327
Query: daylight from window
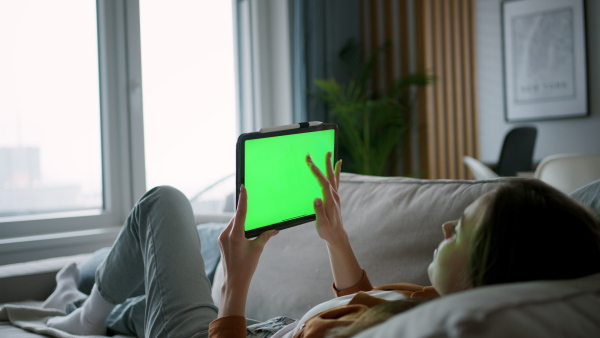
50,155
190,126
50,143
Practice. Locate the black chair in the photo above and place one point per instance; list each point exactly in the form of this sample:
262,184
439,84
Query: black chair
516,155
517,151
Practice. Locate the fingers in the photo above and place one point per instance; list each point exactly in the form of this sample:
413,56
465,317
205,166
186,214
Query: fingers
240,215
329,186
235,229
317,172
330,173
262,239
338,170
236,225
324,181
333,171
320,210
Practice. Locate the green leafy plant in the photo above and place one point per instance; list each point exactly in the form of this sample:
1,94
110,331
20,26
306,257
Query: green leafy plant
371,123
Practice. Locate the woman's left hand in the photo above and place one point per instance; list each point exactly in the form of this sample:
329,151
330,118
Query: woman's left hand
240,258
344,265
328,211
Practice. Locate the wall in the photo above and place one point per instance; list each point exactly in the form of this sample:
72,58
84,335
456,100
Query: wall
556,136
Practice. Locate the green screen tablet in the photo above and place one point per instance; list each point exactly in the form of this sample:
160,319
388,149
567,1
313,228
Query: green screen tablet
272,166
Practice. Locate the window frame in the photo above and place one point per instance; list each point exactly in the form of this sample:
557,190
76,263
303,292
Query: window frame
264,73
264,89
119,66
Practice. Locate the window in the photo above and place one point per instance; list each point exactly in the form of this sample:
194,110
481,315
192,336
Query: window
79,64
70,105
188,68
50,154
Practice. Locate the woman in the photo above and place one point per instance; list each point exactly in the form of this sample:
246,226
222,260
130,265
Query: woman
525,221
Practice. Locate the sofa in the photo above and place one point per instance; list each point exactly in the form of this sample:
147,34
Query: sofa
394,224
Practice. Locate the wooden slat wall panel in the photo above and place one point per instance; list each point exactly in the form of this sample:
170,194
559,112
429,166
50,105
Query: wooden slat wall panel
444,43
459,90
440,122
403,67
471,78
427,103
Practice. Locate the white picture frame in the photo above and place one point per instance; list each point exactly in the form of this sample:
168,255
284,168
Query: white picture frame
544,53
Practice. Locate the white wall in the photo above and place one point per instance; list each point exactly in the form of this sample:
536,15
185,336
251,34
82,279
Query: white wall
555,136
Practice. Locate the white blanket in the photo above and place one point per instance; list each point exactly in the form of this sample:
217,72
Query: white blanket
33,318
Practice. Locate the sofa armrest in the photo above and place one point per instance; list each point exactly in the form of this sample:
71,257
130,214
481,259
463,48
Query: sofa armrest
32,280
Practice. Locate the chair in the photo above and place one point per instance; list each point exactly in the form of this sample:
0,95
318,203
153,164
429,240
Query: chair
567,172
516,155
479,170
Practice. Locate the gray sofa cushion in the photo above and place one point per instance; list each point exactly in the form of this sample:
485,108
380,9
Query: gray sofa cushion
394,225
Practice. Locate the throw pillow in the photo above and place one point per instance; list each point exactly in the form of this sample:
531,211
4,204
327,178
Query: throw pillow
589,195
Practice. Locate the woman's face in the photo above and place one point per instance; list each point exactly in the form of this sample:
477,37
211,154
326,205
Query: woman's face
448,270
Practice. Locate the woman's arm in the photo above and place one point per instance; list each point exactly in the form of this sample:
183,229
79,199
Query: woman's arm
344,265
240,258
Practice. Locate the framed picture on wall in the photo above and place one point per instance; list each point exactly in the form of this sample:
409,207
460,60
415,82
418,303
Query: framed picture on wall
545,71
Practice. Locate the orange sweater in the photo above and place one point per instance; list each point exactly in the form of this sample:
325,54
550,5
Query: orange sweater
235,326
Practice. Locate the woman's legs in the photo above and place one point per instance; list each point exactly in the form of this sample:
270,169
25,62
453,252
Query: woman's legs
159,247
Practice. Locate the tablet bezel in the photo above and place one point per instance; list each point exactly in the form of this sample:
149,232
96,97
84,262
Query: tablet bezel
240,174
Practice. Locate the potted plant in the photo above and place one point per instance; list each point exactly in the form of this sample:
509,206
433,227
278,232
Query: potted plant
371,123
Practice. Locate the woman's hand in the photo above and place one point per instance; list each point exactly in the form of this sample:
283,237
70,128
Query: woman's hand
344,265
240,258
329,213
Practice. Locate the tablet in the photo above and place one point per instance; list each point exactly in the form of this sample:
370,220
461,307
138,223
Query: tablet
272,166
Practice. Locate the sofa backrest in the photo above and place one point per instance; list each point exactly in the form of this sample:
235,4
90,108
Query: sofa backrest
394,224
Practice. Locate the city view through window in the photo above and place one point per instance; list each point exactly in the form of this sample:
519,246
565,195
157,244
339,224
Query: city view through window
50,155
189,95
50,143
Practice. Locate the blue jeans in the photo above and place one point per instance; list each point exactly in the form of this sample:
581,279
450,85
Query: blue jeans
159,249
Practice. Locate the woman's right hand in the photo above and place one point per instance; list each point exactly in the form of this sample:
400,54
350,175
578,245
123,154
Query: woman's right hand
240,258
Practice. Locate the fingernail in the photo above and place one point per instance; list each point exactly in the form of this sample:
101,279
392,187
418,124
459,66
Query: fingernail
318,202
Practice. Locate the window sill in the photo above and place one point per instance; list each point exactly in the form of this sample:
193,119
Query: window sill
23,249
30,248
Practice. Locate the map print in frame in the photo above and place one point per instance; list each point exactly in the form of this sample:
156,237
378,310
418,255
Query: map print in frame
544,59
